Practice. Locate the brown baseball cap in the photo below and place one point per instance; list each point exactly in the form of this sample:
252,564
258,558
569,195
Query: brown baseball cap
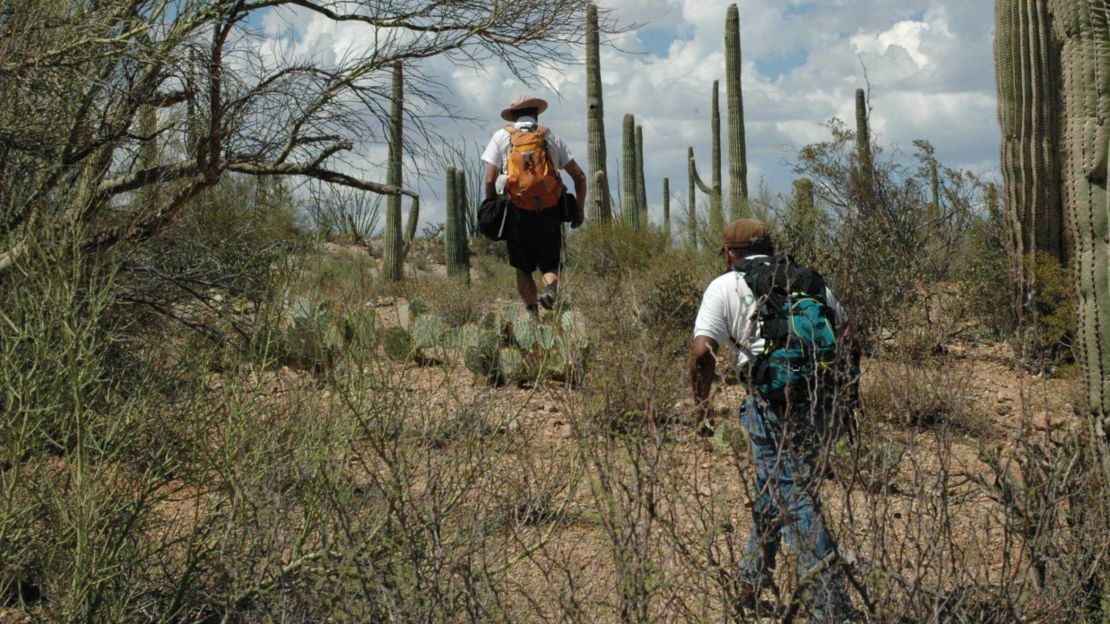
747,233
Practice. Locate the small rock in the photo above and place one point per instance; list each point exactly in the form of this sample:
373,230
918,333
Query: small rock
1003,409
1043,421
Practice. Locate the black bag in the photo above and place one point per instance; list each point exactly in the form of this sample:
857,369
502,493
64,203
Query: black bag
494,220
569,207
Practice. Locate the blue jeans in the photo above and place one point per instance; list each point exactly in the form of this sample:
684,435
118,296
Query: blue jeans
784,447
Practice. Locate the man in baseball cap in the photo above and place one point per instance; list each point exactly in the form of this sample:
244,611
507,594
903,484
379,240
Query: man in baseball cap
784,433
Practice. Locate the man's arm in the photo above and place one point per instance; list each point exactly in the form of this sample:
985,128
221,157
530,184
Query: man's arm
580,188
703,368
489,182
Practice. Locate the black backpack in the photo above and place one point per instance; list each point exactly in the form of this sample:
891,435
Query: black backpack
797,326
495,219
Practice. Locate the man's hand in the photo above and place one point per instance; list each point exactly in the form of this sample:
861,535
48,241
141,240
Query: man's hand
580,189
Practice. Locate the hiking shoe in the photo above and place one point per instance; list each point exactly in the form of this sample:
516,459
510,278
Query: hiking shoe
547,299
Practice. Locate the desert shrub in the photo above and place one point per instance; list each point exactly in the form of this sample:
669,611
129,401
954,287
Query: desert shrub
1049,313
932,395
672,297
983,272
453,300
602,249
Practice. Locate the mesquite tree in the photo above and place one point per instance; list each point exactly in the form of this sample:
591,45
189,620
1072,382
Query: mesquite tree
76,80
737,150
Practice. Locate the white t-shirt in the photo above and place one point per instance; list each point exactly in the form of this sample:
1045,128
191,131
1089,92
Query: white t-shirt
728,311
497,150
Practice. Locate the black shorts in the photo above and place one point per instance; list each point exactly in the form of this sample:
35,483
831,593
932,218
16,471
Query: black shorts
536,240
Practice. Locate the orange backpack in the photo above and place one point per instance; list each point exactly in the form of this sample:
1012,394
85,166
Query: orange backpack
533,182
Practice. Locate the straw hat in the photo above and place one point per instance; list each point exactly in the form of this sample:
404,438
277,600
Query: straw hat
523,102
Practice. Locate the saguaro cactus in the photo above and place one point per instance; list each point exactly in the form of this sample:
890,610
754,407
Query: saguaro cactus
802,221
464,208
667,207
393,247
716,210
691,200
599,209
641,190
457,265
1081,29
737,150
1027,71
628,173
864,173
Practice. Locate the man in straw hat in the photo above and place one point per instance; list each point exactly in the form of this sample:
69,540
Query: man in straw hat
536,239
785,435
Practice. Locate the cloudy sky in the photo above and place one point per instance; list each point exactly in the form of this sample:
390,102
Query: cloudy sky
929,64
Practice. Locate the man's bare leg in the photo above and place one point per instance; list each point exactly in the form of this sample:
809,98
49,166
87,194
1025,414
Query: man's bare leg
526,286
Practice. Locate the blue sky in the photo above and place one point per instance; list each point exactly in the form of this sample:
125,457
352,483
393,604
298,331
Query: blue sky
928,62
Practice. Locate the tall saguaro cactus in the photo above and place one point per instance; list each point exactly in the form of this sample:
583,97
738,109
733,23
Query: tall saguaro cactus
464,208
1027,71
667,207
599,209
716,210
737,150
641,190
865,171
393,247
691,200
454,235
1083,34
631,213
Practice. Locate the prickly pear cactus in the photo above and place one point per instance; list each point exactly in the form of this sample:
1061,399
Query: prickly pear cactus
313,339
362,328
482,357
524,332
427,332
510,364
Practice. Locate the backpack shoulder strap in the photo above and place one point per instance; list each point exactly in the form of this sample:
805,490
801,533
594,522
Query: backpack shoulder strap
749,268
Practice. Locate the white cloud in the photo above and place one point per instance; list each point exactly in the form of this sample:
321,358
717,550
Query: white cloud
928,63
